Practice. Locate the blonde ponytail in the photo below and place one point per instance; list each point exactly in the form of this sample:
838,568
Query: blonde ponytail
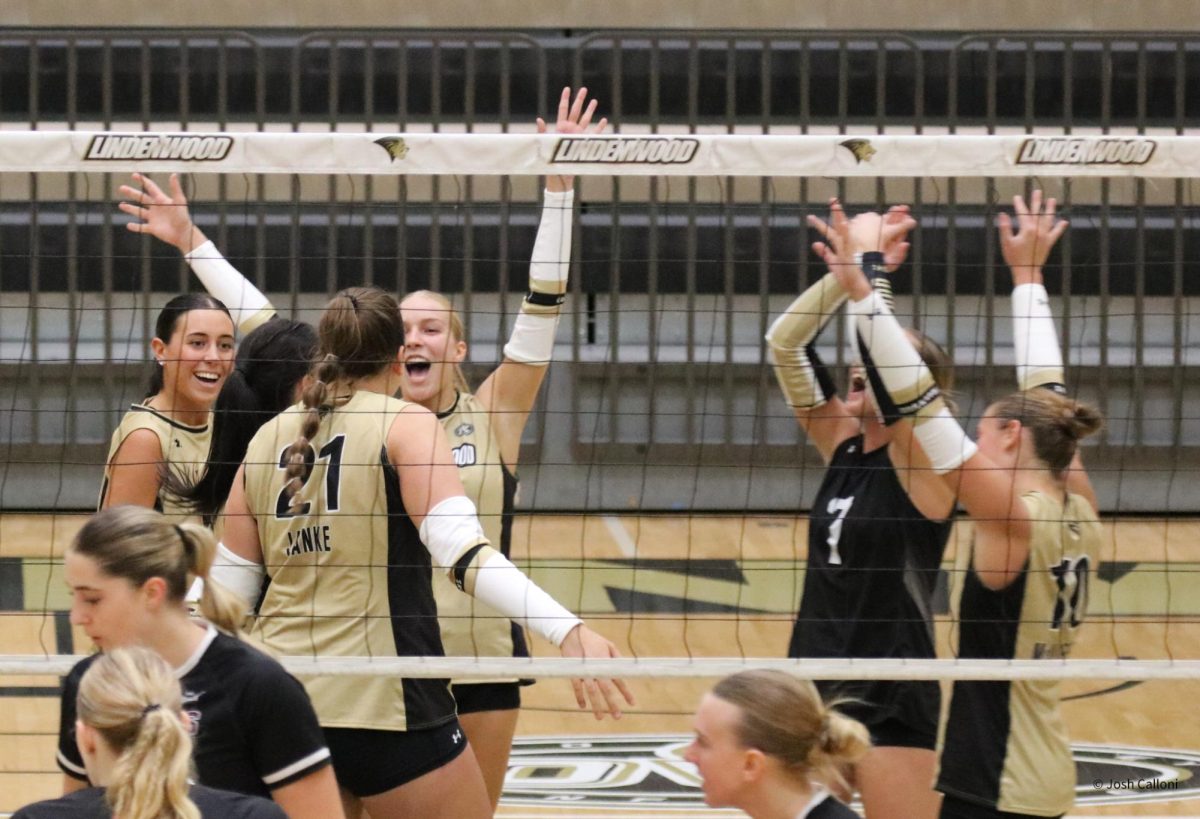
218,605
131,697
785,717
135,543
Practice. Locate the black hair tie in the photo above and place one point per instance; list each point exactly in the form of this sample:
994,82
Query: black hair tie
151,708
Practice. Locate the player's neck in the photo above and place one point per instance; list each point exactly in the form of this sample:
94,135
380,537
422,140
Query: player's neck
875,434
177,637
179,409
782,800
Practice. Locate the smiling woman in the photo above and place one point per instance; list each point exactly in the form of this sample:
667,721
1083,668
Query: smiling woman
171,429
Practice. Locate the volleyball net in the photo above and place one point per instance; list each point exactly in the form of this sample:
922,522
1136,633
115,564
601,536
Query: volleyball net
665,484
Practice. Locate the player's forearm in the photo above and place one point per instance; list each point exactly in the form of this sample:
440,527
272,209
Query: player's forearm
532,340
246,303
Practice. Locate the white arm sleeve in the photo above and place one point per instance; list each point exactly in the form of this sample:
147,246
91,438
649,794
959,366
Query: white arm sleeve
910,385
506,588
532,340
248,306
241,576
450,530
1035,339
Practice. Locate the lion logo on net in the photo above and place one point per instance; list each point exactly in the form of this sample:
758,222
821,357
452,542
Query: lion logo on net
396,147
648,772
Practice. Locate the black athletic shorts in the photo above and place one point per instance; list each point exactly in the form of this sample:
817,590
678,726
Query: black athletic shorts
955,808
899,714
368,763
475,698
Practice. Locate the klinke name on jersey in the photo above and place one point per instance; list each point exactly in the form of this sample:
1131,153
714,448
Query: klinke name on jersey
637,150
186,147
1065,151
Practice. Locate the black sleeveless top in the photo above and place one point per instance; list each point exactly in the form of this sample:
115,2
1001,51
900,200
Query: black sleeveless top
873,562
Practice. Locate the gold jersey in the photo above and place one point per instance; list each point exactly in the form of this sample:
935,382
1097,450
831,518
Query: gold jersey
348,573
470,628
184,451
1004,744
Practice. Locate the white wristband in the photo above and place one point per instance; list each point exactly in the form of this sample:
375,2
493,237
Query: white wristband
505,588
232,571
1035,339
248,306
450,529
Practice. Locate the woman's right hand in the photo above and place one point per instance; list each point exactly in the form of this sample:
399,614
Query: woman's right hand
583,643
163,217
1025,252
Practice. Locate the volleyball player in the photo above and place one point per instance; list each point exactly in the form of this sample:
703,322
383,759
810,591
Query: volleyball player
272,360
875,539
766,743
484,427
1004,748
254,727
347,503
266,379
132,736
172,428
485,431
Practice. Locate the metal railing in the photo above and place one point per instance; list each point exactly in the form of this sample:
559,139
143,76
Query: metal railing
675,280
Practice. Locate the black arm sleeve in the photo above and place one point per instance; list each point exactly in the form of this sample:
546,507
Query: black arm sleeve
68,758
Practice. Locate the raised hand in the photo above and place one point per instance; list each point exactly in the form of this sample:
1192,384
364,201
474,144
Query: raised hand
1026,251
898,222
163,217
573,118
582,642
867,232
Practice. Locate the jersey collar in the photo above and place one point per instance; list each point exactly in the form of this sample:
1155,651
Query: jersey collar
210,634
453,407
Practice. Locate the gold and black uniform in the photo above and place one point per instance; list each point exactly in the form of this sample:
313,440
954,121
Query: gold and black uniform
470,628
184,450
348,573
1004,745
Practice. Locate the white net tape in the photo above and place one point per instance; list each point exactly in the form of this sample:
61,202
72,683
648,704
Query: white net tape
681,667
868,155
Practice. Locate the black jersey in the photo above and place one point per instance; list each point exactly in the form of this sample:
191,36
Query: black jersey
252,724
213,804
873,562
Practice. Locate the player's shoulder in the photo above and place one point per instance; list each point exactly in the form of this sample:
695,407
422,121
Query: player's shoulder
831,808
214,803
78,670
235,659
82,803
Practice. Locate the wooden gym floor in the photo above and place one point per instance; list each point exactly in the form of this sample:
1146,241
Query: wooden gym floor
741,579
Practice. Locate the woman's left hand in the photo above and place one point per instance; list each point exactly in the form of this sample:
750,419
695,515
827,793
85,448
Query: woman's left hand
573,118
